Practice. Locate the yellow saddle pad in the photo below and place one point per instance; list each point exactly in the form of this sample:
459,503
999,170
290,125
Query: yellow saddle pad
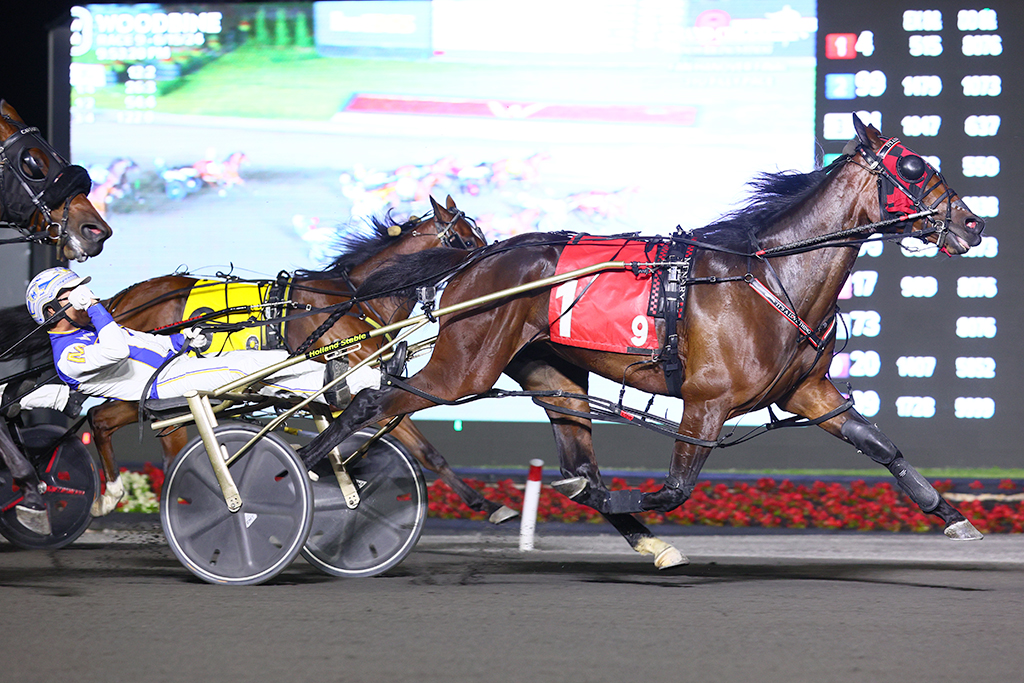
208,296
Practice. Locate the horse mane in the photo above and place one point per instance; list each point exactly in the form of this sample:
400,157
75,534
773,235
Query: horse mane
360,246
773,195
400,276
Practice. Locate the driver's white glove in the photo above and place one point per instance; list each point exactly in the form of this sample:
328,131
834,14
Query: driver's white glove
195,336
81,298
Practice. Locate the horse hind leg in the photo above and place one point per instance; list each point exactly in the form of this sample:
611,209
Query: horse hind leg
869,440
535,370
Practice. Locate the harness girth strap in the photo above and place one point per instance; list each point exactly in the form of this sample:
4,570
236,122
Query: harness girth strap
277,293
675,302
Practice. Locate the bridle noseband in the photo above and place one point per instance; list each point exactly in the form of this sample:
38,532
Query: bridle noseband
26,188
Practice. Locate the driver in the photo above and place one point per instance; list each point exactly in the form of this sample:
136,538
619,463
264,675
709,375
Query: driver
97,357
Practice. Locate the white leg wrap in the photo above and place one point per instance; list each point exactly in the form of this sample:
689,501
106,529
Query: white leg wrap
106,503
665,555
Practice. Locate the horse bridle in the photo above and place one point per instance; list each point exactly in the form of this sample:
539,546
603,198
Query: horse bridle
26,188
904,180
450,238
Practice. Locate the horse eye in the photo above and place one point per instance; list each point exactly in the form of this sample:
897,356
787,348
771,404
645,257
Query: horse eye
33,164
911,168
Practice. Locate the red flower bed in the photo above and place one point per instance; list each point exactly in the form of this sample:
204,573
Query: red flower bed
766,503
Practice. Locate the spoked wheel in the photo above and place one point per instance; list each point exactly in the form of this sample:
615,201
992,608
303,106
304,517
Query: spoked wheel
71,480
254,544
386,524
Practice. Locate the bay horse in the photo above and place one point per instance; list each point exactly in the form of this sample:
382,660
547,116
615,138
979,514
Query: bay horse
42,196
800,232
160,303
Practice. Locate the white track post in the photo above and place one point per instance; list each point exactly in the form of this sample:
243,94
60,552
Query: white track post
531,496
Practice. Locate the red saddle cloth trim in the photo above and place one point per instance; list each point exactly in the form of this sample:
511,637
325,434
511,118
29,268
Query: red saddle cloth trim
610,309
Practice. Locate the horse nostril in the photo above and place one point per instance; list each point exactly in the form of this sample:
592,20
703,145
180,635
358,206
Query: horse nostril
95,233
975,225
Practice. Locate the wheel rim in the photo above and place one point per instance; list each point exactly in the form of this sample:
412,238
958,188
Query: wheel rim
71,480
386,524
260,540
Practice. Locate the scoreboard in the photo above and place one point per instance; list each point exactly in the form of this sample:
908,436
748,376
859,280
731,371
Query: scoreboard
932,344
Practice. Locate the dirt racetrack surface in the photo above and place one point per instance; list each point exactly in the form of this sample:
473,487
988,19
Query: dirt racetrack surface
469,606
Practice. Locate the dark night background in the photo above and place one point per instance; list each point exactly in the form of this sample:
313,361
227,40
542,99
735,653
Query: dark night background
23,80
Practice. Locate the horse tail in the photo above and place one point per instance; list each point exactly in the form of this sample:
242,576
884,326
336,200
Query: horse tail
399,277
15,325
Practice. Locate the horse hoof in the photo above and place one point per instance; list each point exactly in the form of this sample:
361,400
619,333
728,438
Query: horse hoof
502,514
107,502
665,555
570,488
670,557
963,531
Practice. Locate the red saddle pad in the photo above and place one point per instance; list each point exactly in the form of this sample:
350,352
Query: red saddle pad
606,311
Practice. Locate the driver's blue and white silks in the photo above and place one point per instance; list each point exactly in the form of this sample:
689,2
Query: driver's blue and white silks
110,361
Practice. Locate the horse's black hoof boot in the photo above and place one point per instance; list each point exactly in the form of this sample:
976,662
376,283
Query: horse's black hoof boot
395,366
625,501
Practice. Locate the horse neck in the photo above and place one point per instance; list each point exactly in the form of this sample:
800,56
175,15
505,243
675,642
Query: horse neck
814,279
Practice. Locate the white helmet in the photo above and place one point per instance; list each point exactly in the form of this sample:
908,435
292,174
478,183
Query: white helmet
45,287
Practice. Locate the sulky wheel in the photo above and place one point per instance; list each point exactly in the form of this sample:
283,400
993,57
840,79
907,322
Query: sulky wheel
388,520
71,480
261,539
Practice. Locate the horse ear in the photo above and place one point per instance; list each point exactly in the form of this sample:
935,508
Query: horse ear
866,133
438,211
450,203
7,110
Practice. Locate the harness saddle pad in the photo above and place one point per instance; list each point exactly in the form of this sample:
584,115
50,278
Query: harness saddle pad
608,311
208,296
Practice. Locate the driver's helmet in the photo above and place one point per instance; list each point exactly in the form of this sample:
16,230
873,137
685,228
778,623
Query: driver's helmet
44,288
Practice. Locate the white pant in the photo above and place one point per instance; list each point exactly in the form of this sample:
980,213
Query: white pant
52,396
186,373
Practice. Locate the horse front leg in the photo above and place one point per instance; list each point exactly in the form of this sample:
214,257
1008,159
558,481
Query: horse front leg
431,458
688,459
821,397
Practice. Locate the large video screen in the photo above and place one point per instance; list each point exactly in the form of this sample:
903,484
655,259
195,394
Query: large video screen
247,138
